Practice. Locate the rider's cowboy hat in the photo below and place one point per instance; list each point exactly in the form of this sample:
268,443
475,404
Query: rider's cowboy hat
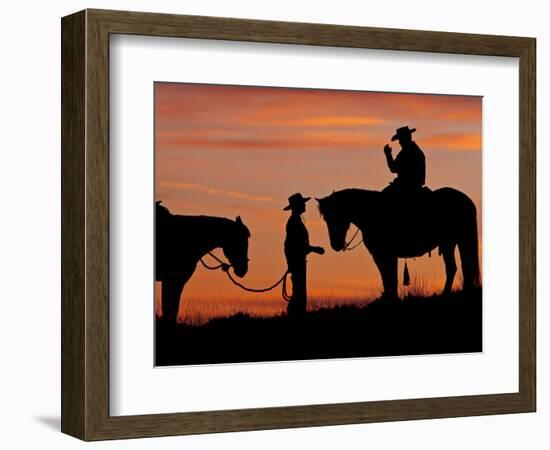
403,131
296,200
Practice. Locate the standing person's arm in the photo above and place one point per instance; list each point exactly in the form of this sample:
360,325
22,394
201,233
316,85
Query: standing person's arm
313,248
297,236
318,250
307,247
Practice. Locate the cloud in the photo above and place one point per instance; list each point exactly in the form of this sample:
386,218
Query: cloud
471,115
453,141
327,121
213,191
305,138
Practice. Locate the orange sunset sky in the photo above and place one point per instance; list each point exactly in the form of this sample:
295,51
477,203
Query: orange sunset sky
239,150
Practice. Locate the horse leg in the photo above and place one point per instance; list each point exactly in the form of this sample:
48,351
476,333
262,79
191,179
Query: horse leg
387,266
448,252
171,292
469,263
172,287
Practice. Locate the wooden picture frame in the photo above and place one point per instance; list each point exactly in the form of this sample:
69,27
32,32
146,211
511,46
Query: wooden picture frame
85,224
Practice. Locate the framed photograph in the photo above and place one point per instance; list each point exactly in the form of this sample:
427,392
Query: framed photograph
271,224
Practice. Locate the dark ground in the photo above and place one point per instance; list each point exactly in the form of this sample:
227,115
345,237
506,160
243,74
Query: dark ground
412,326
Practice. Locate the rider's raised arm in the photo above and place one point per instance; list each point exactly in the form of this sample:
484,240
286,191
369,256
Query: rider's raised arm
391,163
389,159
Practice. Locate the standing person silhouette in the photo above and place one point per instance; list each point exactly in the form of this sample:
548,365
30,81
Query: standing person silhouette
409,164
296,249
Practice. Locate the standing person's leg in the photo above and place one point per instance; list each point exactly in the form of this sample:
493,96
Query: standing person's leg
299,289
291,306
297,304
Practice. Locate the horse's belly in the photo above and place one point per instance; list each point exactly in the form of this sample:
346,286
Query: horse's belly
409,245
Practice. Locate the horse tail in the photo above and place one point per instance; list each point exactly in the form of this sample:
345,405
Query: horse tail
468,247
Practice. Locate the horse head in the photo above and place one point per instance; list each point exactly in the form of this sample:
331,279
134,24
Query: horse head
335,216
235,248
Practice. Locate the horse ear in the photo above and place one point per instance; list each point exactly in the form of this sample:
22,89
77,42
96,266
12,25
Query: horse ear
238,220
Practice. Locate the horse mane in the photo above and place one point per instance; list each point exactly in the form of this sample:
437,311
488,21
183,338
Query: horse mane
213,222
202,221
344,198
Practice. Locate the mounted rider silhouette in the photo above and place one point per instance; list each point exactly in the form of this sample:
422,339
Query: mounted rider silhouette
405,190
409,164
296,249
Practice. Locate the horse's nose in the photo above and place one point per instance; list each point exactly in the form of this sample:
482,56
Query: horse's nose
240,271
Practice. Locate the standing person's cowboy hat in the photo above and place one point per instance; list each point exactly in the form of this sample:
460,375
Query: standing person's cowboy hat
296,200
403,131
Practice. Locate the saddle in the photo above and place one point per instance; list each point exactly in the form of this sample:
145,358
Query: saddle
400,192
405,206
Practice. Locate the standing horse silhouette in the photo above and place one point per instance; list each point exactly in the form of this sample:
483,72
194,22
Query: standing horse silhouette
394,227
181,241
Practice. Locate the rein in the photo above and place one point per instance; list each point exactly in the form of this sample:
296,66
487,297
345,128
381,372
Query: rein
348,247
226,266
221,265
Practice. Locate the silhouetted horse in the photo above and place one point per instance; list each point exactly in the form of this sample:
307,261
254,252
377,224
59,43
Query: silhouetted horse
181,241
397,227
